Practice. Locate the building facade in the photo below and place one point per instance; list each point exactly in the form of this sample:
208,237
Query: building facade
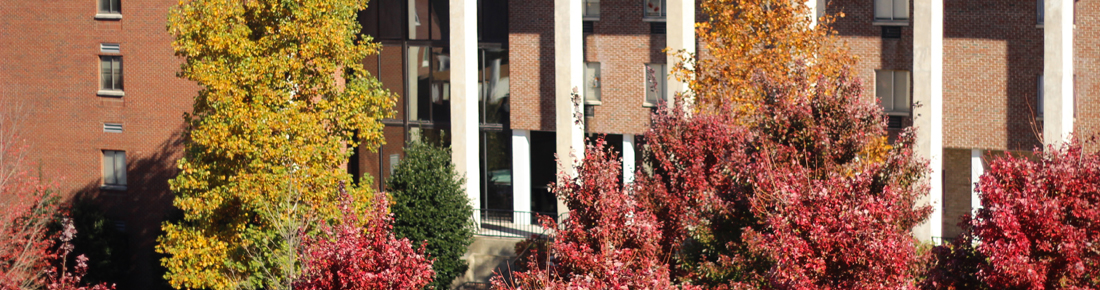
92,85
495,79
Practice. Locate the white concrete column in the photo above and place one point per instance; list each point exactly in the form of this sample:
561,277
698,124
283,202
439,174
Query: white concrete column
1057,71
628,158
680,35
464,125
928,115
568,79
977,168
521,176
817,8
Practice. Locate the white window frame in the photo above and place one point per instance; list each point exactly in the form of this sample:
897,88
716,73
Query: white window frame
890,105
891,12
115,89
113,9
592,83
114,169
653,96
590,10
654,10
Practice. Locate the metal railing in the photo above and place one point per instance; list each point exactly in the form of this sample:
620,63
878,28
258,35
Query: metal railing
508,223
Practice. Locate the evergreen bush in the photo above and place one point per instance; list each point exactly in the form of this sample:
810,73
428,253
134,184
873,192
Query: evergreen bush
430,205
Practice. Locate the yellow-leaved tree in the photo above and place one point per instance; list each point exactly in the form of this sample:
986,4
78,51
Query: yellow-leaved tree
743,38
283,95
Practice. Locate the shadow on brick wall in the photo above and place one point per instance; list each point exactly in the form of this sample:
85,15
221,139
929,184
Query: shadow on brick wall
137,211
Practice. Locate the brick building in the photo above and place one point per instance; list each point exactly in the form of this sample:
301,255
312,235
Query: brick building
85,118
493,79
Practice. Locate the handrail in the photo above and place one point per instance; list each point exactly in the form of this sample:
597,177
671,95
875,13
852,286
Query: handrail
509,223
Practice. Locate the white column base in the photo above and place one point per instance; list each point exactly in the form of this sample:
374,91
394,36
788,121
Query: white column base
628,159
521,176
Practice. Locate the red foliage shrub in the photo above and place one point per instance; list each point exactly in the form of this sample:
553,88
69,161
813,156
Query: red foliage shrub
1039,225
28,206
351,256
607,242
805,194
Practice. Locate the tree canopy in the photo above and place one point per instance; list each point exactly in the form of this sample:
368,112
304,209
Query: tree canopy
283,95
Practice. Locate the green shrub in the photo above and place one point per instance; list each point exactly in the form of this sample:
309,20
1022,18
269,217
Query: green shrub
430,205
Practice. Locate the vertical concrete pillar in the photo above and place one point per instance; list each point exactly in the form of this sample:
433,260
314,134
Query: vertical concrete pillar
816,10
680,35
977,168
1057,71
568,79
928,114
628,158
521,176
464,125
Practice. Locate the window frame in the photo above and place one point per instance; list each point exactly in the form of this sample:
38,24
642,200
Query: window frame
116,75
113,11
114,169
908,111
662,9
585,12
893,19
592,84
660,74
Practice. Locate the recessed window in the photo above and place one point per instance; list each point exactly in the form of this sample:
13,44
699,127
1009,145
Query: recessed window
891,10
892,91
110,75
654,10
656,80
591,9
592,83
1039,97
114,168
1039,12
109,7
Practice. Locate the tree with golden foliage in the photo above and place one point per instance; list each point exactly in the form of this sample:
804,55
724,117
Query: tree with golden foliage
283,95
744,37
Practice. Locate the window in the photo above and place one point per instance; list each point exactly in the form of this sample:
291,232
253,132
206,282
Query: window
654,10
592,83
1039,98
114,169
891,10
109,7
1039,12
892,91
591,9
656,81
110,76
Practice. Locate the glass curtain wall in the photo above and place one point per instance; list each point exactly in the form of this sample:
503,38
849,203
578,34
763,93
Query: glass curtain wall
415,65
495,132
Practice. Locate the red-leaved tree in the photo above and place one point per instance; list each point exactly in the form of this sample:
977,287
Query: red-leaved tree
608,241
30,255
358,255
803,194
1039,225
27,206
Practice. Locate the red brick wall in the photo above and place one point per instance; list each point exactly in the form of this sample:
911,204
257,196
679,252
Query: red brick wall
621,43
993,55
531,69
50,51
1086,52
